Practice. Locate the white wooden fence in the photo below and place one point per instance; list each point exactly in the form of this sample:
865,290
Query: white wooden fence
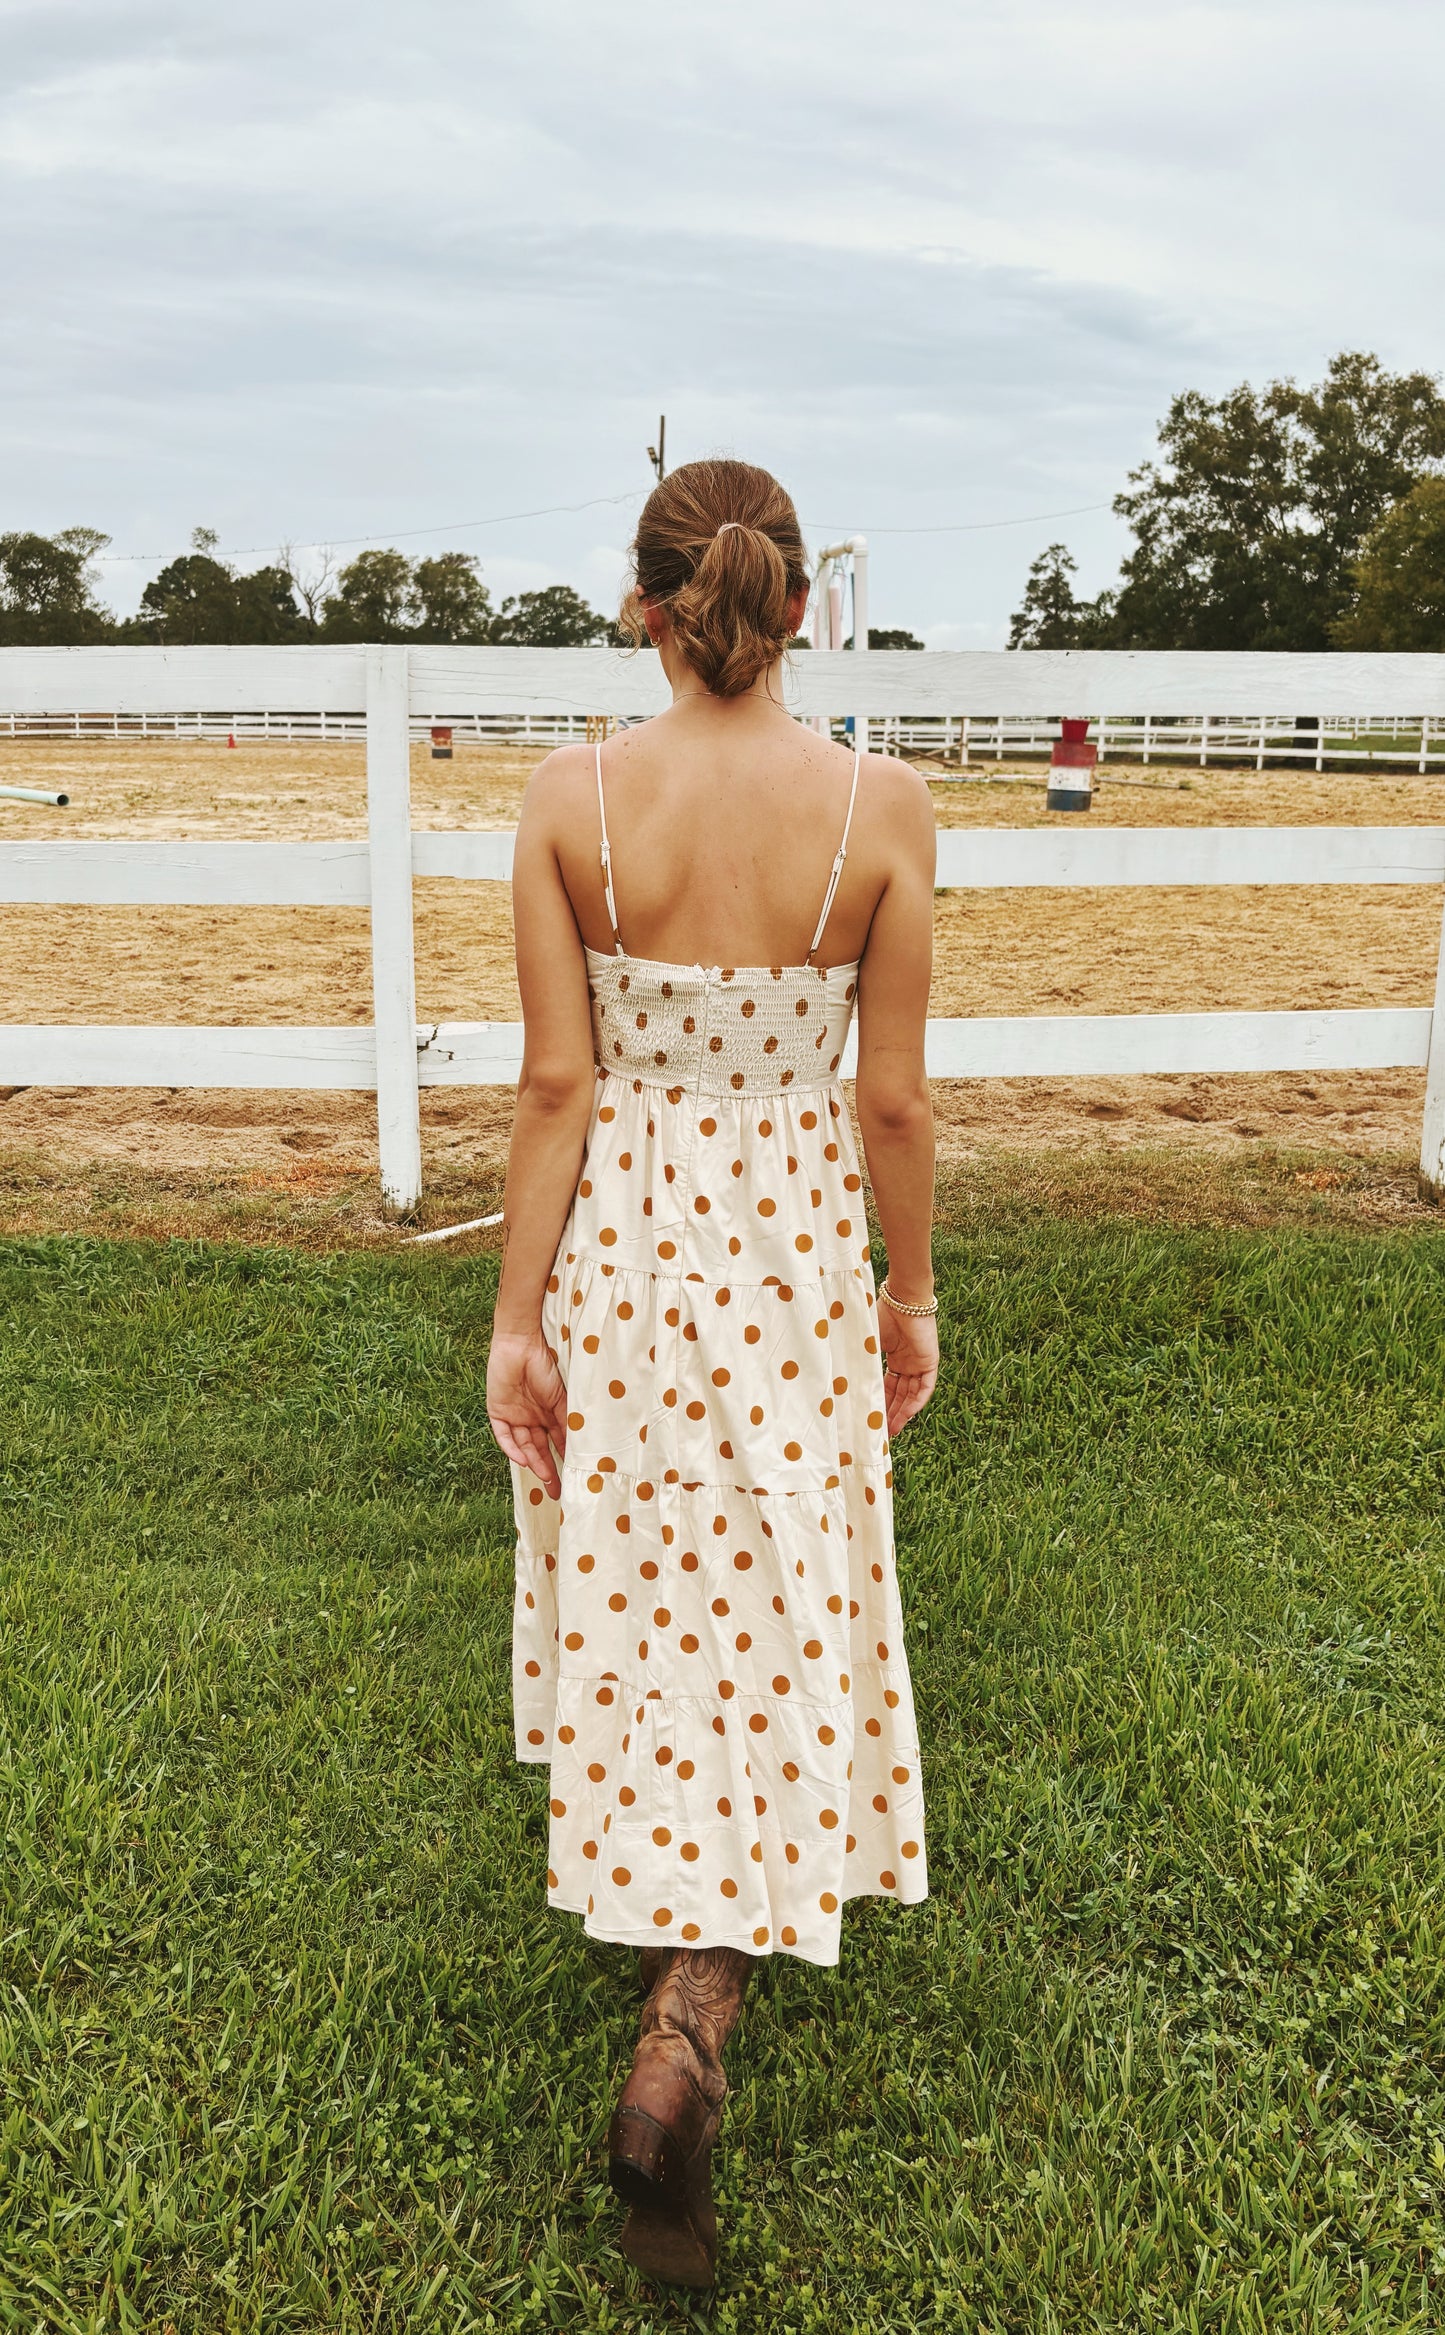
1318,742
393,687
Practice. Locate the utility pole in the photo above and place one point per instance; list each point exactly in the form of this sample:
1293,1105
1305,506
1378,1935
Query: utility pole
657,455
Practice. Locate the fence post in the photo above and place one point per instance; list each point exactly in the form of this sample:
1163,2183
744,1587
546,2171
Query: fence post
393,965
1432,1133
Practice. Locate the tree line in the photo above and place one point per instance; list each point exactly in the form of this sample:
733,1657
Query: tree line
1277,518
48,599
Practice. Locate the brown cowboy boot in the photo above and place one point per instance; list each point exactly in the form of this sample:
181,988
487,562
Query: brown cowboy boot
649,1966
662,2130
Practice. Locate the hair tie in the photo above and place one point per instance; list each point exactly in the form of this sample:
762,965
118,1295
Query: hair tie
729,523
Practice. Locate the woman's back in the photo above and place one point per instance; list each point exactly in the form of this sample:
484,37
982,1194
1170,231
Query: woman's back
723,837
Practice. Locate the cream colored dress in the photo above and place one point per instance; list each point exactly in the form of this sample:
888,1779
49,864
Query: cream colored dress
707,1644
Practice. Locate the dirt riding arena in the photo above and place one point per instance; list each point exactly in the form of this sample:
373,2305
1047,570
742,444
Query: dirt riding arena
998,952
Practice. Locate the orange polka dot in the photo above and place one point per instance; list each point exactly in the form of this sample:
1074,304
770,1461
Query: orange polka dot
760,1937
621,1876
573,1641
758,1723
792,1451
697,1410
607,1236
720,1377
728,1888
535,1735
910,1848
660,1836
597,1772
617,1602
575,1420
558,1807
781,1685
828,1818
828,1901
888,1880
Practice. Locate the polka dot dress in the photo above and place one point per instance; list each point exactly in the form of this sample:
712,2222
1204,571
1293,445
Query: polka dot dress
708,1646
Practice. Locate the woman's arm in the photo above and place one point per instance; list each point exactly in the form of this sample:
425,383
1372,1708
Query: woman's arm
895,1109
554,1101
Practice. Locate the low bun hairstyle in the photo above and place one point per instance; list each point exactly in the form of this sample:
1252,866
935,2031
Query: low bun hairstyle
718,546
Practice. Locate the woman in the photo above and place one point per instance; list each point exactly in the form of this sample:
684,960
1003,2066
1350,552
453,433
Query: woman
685,1367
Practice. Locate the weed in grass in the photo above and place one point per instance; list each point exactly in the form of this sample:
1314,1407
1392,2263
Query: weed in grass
289,2040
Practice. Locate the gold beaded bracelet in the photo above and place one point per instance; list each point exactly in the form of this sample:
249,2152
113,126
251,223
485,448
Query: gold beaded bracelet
914,1312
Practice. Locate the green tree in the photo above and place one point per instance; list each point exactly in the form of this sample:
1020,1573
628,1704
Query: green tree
1400,577
888,637
373,600
557,618
200,600
1051,617
449,600
1249,523
46,596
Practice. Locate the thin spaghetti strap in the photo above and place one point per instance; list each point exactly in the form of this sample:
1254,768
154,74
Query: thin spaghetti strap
607,860
839,857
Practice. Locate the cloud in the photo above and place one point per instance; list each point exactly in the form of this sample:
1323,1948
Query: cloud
319,272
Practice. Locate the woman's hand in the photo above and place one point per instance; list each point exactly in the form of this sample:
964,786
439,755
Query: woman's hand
527,1403
910,1362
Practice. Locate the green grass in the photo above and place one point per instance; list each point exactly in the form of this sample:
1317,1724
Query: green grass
288,2040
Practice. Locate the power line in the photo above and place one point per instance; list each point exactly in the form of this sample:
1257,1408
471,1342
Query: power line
396,534
974,526
593,503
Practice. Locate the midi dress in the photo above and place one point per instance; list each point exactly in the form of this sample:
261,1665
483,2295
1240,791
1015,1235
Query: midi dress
707,1637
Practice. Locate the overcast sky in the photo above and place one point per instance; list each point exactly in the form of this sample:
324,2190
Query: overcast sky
321,272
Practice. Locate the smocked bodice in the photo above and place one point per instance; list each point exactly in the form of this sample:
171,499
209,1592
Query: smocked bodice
720,1030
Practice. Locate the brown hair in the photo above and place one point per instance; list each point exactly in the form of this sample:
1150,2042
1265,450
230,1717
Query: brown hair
718,546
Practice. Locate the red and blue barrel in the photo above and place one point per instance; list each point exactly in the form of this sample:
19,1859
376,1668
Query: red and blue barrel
1071,769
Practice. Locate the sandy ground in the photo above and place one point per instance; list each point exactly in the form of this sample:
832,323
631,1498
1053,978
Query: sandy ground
997,952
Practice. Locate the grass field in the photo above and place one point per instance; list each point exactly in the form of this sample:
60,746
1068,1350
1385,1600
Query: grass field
289,2042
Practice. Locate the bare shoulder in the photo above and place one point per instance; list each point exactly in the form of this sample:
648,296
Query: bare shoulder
898,800
555,786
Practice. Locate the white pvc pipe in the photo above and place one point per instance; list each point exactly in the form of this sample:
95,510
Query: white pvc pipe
450,1231
28,794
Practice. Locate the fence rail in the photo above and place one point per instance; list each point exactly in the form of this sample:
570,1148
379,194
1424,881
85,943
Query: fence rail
398,688
969,741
